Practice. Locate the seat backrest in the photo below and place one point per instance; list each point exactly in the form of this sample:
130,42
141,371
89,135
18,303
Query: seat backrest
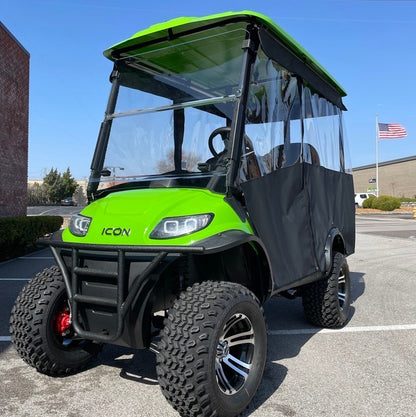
283,156
310,154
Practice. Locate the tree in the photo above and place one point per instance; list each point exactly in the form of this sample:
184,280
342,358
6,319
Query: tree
59,186
36,194
54,185
189,162
69,184
80,196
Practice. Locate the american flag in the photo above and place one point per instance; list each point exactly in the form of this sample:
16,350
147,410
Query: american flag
391,131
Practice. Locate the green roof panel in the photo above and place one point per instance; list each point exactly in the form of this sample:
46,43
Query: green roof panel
165,30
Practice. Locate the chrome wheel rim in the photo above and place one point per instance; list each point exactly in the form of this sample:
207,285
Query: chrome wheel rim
342,288
234,354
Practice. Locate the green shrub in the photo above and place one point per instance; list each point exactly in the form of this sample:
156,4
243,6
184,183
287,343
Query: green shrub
368,203
407,200
18,235
386,203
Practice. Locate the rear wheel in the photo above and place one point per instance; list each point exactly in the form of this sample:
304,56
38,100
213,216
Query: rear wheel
41,331
327,302
213,350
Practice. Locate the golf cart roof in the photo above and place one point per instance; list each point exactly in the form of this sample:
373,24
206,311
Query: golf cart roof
183,25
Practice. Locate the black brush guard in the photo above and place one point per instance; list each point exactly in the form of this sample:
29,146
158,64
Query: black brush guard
131,285
125,293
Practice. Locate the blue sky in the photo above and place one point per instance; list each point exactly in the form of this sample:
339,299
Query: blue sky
366,45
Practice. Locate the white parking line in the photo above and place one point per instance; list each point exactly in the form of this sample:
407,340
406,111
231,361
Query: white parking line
358,329
36,257
292,332
47,211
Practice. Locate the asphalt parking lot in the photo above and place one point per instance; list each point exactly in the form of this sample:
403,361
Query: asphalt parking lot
366,369
64,211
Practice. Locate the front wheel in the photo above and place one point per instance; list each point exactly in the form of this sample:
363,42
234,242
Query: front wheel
213,350
327,302
41,330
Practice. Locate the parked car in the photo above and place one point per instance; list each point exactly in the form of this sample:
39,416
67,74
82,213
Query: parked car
68,201
361,197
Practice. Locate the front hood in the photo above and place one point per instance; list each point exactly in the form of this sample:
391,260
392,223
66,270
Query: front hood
134,214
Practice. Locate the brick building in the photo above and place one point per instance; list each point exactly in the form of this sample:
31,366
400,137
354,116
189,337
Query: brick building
14,117
396,177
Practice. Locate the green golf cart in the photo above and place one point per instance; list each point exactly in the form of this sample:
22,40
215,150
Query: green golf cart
219,180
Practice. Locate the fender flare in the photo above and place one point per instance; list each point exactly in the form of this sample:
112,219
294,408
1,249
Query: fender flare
233,238
334,242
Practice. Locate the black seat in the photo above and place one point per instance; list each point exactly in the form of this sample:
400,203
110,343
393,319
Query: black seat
283,156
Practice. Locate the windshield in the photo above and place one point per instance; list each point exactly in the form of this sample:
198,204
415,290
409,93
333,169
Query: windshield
170,104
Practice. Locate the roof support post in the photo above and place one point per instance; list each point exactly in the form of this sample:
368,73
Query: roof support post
103,135
250,46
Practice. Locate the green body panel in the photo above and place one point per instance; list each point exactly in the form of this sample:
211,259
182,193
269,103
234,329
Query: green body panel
183,24
141,210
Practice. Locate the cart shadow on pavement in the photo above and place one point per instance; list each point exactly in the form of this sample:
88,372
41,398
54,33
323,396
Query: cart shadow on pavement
357,285
135,365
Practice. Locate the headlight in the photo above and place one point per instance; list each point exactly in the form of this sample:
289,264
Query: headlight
79,224
180,226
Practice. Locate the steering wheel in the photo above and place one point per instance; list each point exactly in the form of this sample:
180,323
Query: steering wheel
224,132
252,164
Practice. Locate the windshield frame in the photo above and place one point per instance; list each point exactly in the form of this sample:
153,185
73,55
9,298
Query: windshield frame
193,103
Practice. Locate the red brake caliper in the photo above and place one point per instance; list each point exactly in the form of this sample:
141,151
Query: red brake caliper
63,321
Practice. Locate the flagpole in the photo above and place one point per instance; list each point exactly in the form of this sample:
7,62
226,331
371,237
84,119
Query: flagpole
377,134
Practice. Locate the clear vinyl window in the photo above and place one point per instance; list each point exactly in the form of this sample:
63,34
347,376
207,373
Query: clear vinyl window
143,145
322,122
288,123
272,118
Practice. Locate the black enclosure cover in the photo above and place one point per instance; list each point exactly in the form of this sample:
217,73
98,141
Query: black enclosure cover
293,209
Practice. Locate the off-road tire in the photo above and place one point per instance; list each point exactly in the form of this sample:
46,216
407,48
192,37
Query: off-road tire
32,331
194,344
327,302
